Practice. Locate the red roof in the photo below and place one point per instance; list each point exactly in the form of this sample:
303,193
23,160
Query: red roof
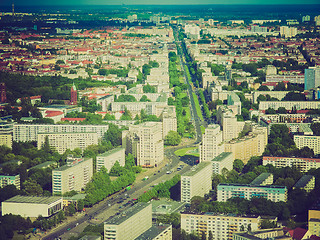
50,113
73,119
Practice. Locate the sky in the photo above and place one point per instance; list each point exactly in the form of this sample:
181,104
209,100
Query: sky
152,2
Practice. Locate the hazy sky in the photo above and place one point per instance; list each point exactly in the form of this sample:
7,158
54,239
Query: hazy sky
146,2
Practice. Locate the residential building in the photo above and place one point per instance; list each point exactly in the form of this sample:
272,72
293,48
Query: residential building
247,191
29,206
129,224
157,232
304,164
145,142
73,176
109,158
211,145
29,132
313,142
250,145
273,94
63,141
289,105
221,226
274,233
306,182
223,160
196,182
263,179
169,120
288,32
6,130
311,78
6,180
314,219
234,103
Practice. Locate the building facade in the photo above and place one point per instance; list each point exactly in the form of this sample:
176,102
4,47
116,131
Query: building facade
221,226
72,177
109,158
273,193
29,206
63,141
311,78
145,142
211,145
306,182
304,164
6,180
313,142
196,182
130,224
223,160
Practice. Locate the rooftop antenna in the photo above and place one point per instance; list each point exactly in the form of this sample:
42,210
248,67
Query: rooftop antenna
12,8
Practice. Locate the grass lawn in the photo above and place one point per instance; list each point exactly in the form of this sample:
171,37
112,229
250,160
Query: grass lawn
196,101
187,151
202,129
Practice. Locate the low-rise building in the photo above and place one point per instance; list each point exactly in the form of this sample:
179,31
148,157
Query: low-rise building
304,164
306,182
223,160
72,177
157,232
221,226
109,158
226,191
28,206
129,224
196,182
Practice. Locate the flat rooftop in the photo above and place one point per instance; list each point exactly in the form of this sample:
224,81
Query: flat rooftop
33,200
196,168
153,232
64,167
105,154
118,219
249,185
165,207
221,156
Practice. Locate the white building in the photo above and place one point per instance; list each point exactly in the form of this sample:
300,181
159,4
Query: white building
108,159
288,32
196,182
313,142
311,78
223,160
6,180
304,164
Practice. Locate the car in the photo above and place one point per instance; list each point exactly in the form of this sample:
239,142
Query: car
68,229
169,172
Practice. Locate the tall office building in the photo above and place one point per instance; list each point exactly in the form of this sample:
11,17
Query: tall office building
145,142
196,182
311,78
211,145
130,224
72,177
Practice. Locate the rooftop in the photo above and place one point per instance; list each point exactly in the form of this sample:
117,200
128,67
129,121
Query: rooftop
250,185
33,200
197,168
153,232
164,207
303,181
64,167
221,156
259,180
118,219
105,154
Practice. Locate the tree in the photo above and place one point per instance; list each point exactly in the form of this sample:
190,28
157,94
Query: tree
126,115
71,209
315,127
238,165
263,88
282,110
144,98
113,135
149,89
80,205
173,138
271,111
130,161
31,187
109,117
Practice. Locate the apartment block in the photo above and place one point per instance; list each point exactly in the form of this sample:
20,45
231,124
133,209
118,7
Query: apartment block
247,191
129,224
169,120
145,142
108,159
250,145
221,226
29,132
150,108
223,160
72,176
306,182
304,164
313,142
6,180
314,219
196,182
6,130
63,141
29,206
288,32
311,78
274,233
211,145
234,103
289,105
263,179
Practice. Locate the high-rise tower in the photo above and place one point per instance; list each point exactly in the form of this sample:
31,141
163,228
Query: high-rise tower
73,100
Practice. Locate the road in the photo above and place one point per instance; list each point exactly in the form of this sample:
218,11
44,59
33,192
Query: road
196,119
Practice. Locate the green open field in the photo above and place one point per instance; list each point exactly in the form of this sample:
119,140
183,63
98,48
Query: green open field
196,101
187,151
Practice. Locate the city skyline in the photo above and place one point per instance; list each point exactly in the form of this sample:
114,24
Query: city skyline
153,2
